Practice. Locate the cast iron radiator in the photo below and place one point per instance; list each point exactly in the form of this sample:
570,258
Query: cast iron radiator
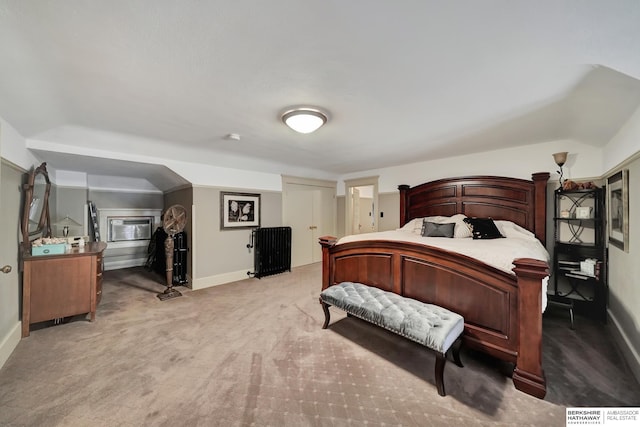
272,250
157,259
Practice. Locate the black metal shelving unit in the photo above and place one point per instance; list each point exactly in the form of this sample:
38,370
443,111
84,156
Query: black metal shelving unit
579,279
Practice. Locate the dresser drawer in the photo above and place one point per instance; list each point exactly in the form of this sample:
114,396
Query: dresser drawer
61,285
99,269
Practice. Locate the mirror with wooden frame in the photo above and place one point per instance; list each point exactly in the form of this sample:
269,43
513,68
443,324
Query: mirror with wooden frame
35,216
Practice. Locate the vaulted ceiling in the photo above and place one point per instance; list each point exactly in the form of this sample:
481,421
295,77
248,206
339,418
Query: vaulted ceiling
402,81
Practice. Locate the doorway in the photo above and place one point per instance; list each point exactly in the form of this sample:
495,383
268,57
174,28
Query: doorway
309,208
11,181
361,205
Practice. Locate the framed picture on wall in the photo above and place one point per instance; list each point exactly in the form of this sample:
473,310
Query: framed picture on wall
618,209
239,210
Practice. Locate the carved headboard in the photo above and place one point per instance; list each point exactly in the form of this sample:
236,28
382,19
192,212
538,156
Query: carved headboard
520,201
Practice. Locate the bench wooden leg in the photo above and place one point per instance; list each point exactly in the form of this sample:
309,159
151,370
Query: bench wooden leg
441,360
327,316
455,352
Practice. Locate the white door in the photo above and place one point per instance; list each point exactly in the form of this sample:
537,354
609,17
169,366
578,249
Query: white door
355,214
9,287
4,248
310,212
323,219
298,216
366,219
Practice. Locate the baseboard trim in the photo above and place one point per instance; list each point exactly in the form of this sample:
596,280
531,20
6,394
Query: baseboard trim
219,279
626,347
10,342
125,263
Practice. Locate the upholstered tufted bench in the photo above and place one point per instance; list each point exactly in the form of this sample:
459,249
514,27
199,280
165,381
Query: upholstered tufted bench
430,325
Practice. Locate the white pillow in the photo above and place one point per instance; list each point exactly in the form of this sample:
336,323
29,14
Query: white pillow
461,229
413,226
512,230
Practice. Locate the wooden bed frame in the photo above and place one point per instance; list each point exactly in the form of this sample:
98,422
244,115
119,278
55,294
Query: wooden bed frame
502,312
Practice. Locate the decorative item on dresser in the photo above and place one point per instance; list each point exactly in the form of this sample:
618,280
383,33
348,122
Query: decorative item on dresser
502,310
66,223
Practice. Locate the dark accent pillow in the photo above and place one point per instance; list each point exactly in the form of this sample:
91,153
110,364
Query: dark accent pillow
483,228
433,229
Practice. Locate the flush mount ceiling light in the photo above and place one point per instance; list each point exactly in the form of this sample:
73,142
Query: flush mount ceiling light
304,119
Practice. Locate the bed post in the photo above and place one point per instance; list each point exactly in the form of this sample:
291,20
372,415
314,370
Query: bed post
403,204
327,242
528,375
540,199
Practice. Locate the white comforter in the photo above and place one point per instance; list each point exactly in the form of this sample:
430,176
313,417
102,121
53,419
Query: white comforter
498,253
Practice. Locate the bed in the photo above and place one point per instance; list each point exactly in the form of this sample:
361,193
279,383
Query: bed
502,309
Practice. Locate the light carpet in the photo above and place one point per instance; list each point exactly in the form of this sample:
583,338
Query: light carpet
252,353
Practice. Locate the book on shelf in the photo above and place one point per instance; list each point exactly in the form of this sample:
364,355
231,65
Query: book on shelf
582,273
563,263
578,276
589,268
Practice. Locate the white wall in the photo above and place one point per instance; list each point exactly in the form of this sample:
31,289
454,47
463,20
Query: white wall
135,149
221,256
13,147
584,161
623,145
624,269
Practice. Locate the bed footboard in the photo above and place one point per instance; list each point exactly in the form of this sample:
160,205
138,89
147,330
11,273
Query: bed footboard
528,375
502,312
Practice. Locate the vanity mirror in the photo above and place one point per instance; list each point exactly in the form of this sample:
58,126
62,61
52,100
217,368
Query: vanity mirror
55,285
35,216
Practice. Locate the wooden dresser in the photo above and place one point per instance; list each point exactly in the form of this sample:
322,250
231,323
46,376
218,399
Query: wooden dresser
57,286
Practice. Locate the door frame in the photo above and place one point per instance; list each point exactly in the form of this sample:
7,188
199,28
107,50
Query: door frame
313,184
10,289
348,203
